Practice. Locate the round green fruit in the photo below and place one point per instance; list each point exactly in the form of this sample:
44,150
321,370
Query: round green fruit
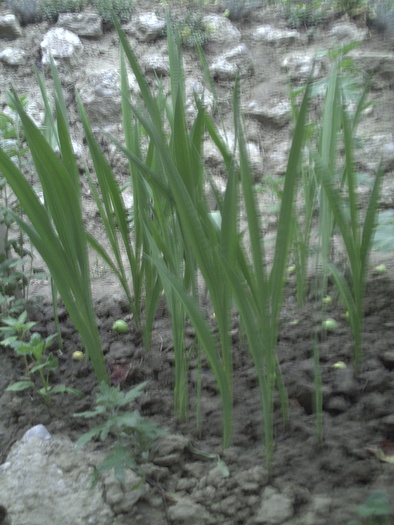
329,325
120,327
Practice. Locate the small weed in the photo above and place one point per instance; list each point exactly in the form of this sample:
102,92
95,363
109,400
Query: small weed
26,11
122,9
192,30
15,328
134,435
375,511
240,9
50,9
38,365
302,15
14,278
381,16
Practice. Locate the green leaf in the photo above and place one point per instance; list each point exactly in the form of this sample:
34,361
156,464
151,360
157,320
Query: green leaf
19,386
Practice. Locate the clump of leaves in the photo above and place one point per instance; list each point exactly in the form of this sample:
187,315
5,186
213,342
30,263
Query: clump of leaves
134,435
122,9
353,7
13,276
50,9
193,30
26,11
301,15
381,16
38,366
239,9
375,511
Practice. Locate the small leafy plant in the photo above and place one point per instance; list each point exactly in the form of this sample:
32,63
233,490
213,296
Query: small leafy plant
134,435
39,366
192,30
239,9
15,328
122,9
304,14
50,9
375,511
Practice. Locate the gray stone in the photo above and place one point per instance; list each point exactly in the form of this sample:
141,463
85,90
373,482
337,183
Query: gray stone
39,432
101,97
13,57
147,27
221,31
347,32
62,45
277,115
275,36
275,508
299,66
9,27
52,481
123,496
156,63
237,62
187,512
82,24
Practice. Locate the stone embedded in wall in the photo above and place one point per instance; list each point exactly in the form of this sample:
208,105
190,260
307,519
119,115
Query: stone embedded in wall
62,45
277,115
13,57
233,63
299,66
347,32
156,63
378,65
275,36
9,27
196,90
214,159
101,97
220,30
146,28
82,24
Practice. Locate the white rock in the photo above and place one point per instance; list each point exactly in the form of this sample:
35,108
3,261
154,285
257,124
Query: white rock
348,32
49,482
272,35
38,431
60,44
156,63
9,27
147,27
275,508
13,57
82,24
220,30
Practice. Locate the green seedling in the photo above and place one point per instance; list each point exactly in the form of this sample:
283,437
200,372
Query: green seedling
134,435
375,511
15,328
380,269
39,366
